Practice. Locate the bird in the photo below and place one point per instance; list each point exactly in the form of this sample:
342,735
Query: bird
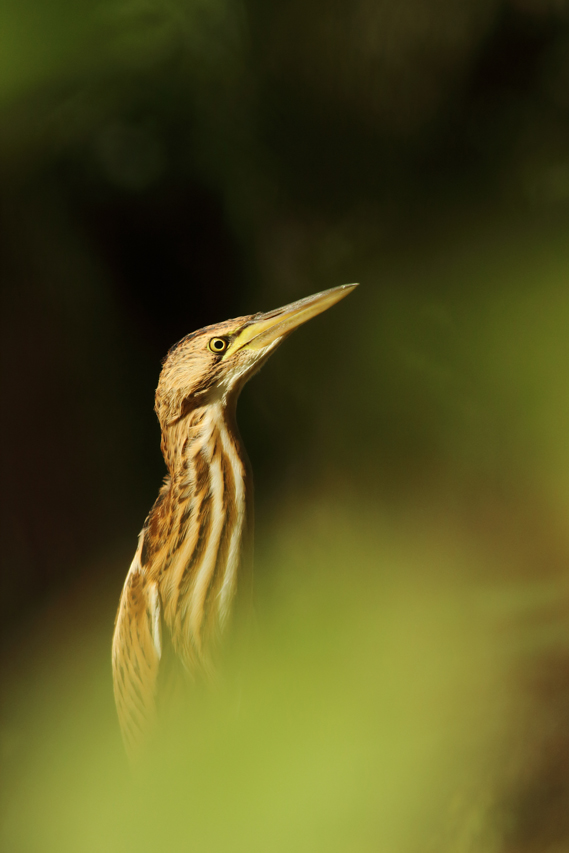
178,592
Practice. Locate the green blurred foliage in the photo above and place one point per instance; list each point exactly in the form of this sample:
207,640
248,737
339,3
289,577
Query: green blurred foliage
345,720
164,165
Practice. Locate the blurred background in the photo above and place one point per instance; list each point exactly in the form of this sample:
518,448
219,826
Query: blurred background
166,164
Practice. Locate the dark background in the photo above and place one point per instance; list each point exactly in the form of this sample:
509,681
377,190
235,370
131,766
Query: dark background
164,166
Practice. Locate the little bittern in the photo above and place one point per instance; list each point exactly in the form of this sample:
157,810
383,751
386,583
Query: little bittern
182,580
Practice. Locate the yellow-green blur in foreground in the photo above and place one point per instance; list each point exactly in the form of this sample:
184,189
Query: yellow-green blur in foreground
361,712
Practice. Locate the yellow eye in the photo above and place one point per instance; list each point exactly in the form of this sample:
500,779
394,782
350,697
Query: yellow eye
217,344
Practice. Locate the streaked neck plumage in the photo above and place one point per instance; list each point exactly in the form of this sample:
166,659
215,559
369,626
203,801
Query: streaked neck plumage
184,572
192,537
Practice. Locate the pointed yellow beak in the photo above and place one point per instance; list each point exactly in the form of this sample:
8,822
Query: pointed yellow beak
264,329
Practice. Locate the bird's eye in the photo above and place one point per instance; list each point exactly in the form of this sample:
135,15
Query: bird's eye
217,344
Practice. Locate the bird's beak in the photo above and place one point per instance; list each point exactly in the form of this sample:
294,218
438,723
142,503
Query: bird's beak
265,329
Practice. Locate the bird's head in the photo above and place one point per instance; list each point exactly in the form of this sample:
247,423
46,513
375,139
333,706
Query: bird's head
214,363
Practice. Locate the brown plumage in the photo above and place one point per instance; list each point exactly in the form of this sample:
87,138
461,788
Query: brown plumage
181,583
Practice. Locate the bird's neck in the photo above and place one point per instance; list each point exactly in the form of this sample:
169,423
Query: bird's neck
195,433
199,520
